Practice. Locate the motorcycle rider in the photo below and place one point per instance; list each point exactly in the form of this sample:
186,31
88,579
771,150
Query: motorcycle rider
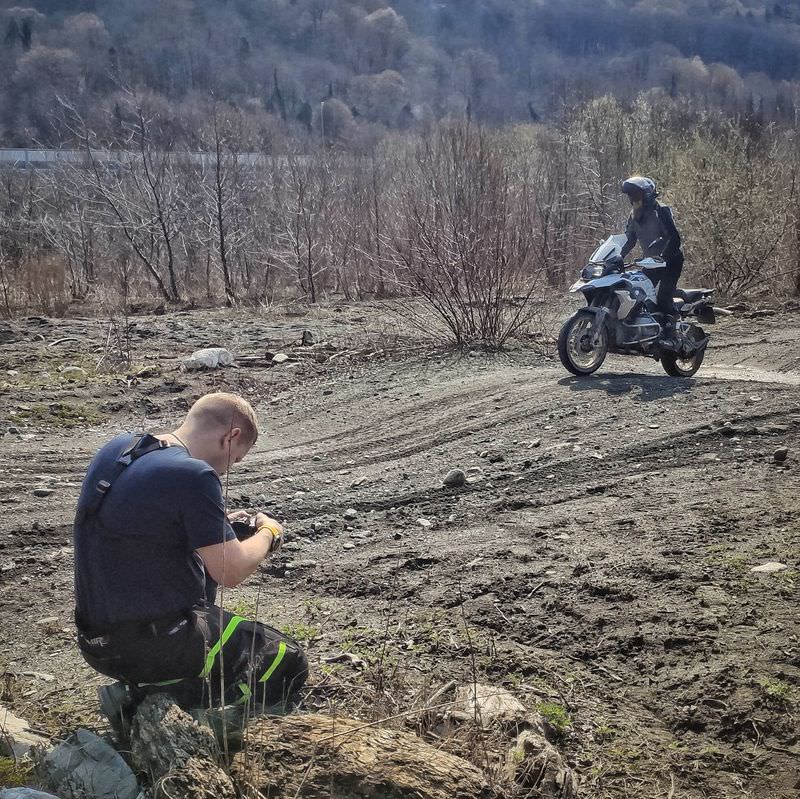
652,225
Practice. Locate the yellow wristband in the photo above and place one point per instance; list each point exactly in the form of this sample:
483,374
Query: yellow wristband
273,529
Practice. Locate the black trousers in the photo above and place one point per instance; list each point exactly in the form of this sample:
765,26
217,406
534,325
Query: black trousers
667,278
206,657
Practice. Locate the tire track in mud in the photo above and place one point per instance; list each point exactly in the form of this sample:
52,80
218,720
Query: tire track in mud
416,421
566,473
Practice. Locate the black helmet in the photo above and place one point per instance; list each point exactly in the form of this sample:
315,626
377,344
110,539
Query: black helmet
636,184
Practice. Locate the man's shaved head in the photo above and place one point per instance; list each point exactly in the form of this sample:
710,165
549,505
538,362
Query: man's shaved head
224,411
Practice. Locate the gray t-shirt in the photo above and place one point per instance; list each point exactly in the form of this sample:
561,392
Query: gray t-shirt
135,559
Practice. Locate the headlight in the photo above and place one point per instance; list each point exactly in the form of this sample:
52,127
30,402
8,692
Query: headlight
592,271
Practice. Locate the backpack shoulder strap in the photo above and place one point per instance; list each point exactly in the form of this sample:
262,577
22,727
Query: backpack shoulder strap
140,446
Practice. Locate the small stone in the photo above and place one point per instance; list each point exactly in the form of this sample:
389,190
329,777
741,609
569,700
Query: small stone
73,372
351,514
455,478
208,358
486,704
17,738
348,545
425,523
712,597
279,358
317,458
307,339
43,492
13,430
780,455
769,568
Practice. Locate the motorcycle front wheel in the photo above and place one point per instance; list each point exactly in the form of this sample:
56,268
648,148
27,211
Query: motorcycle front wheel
580,352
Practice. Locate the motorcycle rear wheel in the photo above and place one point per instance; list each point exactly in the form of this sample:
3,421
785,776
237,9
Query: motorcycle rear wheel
578,353
676,366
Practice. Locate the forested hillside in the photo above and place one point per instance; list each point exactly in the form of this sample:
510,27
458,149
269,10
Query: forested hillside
368,65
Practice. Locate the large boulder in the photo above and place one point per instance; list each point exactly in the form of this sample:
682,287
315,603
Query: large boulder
316,756
182,755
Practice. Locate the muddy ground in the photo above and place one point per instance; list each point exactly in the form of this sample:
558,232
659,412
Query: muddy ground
598,560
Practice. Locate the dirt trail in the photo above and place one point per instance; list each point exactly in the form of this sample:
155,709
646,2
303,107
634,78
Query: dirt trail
599,556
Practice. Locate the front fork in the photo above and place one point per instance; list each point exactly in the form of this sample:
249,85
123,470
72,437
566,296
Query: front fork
601,315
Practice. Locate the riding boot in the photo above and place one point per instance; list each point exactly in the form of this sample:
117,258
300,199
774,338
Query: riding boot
669,336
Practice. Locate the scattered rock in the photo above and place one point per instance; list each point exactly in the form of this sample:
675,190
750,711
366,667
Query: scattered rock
769,568
780,455
13,430
712,597
536,766
307,339
86,765
279,358
208,358
348,545
455,478
25,793
424,523
349,659
485,704
351,514
73,372
148,371
43,492
16,737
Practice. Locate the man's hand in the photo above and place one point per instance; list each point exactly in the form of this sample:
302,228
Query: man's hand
234,561
264,523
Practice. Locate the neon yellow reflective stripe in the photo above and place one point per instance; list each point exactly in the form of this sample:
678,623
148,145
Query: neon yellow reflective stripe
275,663
212,655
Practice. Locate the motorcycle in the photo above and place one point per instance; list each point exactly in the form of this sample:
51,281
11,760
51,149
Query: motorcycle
621,316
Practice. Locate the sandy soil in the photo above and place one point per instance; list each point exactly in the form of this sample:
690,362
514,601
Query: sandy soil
599,557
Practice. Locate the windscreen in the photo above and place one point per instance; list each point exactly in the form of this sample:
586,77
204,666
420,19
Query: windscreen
611,246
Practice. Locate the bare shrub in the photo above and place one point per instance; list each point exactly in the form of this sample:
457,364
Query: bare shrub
464,244
734,207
